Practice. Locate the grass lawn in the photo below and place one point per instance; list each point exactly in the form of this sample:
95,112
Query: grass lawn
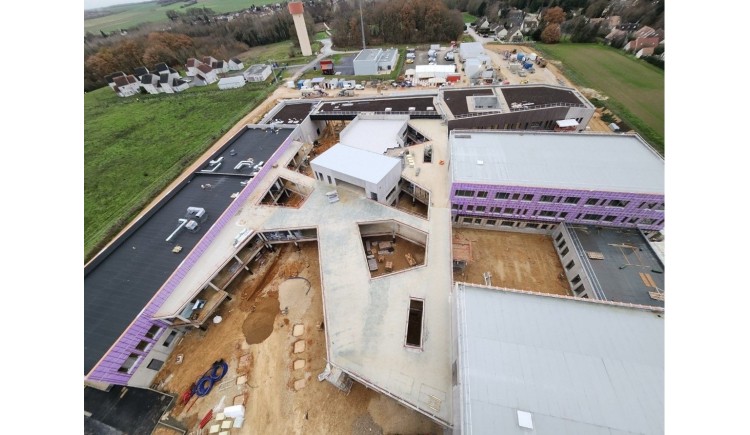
468,18
134,147
278,51
130,15
634,87
321,35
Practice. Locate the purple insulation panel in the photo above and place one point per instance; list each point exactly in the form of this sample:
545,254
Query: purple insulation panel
108,368
547,205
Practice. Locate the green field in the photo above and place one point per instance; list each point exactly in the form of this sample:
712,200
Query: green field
634,87
134,147
129,15
468,18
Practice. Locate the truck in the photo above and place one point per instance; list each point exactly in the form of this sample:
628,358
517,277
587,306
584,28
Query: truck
313,93
448,56
346,93
326,67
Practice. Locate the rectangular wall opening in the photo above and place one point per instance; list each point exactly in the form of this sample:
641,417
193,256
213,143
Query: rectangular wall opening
414,325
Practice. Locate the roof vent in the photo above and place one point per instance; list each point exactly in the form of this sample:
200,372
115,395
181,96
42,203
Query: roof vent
524,419
462,136
388,109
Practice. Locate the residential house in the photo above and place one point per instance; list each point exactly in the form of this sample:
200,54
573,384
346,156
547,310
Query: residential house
161,68
209,60
514,34
165,82
173,74
645,51
501,33
150,83
126,86
206,74
192,66
615,34
111,78
645,32
140,71
636,44
179,85
257,73
235,64
530,23
220,66
231,82
514,18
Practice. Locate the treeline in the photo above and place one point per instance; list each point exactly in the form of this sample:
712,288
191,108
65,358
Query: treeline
202,37
396,22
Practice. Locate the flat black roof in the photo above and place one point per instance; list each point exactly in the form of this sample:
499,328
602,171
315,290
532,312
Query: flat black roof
456,100
627,254
539,95
378,105
119,282
292,112
123,410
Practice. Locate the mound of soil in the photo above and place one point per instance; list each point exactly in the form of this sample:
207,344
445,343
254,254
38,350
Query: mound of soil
258,325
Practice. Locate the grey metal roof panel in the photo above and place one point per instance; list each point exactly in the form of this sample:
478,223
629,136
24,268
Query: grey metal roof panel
578,367
119,283
607,162
361,164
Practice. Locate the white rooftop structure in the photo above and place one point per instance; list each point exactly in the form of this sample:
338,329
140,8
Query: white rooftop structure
375,133
556,365
367,166
231,82
369,54
470,49
567,123
427,71
614,163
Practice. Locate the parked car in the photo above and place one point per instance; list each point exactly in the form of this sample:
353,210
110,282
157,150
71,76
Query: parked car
359,87
410,60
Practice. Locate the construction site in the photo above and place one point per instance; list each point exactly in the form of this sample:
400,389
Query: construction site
318,296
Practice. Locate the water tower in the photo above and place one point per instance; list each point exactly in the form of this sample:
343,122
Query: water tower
297,10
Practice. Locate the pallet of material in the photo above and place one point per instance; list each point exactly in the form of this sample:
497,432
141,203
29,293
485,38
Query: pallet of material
656,296
372,263
410,259
595,255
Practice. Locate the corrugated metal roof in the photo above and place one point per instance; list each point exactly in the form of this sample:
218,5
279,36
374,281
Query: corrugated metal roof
616,163
578,367
360,164
231,80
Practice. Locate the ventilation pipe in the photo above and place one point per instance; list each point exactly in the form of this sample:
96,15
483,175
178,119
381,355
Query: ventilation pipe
182,222
244,163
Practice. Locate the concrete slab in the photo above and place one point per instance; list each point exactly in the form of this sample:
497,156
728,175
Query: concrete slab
300,384
220,417
214,428
299,346
242,380
226,424
298,364
298,330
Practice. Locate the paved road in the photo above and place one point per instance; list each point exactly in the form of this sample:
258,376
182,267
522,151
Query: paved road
324,52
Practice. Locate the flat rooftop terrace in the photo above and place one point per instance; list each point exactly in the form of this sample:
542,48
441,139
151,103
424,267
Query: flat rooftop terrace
122,279
291,113
456,99
606,162
420,103
628,263
539,95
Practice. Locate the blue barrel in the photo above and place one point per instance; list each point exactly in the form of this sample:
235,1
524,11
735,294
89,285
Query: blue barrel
520,57
528,65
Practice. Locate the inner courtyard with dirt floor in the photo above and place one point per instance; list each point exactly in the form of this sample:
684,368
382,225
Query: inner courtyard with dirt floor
272,336
514,260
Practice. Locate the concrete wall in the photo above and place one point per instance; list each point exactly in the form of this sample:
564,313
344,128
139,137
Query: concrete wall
389,227
144,376
365,67
504,224
571,213
382,188
566,241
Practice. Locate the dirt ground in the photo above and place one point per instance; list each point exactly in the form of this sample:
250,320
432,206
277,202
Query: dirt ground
514,260
255,338
401,248
406,204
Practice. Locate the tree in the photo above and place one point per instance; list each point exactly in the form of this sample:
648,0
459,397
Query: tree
554,15
551,34
173,15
